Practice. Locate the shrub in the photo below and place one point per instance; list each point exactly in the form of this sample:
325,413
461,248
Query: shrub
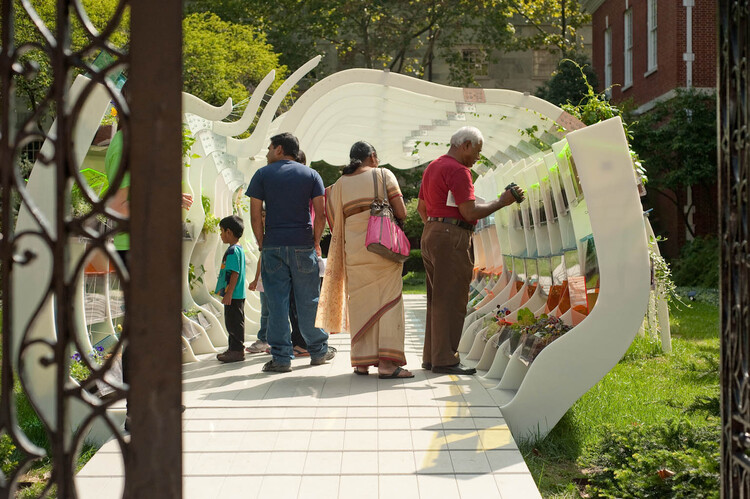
698,265
671,459
413,225
414,263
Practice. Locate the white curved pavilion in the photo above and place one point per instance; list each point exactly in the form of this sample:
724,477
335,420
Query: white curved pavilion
581,191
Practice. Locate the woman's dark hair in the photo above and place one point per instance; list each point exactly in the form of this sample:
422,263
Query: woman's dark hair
301,157
359,152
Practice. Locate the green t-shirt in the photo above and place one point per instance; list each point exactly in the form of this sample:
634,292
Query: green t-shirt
111,166
232,261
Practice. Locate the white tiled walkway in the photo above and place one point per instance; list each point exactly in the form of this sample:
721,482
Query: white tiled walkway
321,431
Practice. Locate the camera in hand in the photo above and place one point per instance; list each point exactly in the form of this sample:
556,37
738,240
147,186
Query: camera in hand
516,195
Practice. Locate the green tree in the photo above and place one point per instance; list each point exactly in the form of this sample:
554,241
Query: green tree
223,59
676,139
557,23
35,90
404,36
568,85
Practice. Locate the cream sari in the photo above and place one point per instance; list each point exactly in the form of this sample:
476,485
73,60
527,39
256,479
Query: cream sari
361,291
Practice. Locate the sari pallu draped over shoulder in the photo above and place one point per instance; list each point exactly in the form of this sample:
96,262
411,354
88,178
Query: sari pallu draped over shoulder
361,291
333,313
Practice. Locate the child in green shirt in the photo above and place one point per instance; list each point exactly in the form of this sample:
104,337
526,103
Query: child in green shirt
231,287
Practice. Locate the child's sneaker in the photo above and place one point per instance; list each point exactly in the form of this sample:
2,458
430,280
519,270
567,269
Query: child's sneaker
257,346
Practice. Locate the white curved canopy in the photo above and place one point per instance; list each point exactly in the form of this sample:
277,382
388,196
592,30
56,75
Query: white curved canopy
410,121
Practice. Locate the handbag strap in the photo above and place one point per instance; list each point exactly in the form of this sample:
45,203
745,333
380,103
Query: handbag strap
375,184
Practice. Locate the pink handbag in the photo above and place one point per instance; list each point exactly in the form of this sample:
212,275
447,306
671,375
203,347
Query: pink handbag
384,236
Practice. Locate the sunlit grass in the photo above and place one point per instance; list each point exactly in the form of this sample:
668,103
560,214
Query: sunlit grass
646,387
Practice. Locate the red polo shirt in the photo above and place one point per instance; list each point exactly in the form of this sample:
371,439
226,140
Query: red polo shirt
443,175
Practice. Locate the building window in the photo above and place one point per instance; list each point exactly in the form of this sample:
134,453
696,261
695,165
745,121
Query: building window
477,62
628,25
652,35
607,61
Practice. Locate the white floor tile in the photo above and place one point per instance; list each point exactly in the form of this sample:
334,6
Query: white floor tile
326,440
359,463
319,487
323,432
513,486
361,440
433,462
360,487
201,487
249,463
394,440
280,487
396,463
399,487
91,487
292,440
246,487
476,486
323,463
469,461
442,486
286,463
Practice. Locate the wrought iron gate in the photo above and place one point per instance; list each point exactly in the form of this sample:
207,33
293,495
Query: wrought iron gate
151,124
734,165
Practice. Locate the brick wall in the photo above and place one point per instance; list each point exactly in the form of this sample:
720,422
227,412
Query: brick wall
671,42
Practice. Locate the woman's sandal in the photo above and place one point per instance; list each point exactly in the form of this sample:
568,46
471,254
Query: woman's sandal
395,374
361,373
301,352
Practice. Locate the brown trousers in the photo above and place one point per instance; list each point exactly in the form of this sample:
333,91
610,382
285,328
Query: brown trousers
447,262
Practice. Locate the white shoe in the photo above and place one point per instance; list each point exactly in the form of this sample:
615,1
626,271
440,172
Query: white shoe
257,346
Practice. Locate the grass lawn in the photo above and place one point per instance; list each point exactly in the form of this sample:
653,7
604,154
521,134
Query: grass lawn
646,389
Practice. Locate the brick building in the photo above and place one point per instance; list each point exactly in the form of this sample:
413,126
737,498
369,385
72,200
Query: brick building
643,50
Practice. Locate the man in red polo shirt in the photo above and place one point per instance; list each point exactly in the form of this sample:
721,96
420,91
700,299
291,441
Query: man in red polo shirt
450,211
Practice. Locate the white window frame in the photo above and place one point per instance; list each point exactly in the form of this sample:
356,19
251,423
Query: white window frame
628,43
608,61
478,61
652,38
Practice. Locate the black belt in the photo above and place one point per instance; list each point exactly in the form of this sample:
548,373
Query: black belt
452,221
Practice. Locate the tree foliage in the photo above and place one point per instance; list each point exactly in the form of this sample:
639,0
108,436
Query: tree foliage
569,84
223,59
678,141
404,36
557,23
36,89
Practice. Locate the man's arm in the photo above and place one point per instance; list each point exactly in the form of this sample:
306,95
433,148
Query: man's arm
422,210
254,284
256,220
320,221
471,210
229,291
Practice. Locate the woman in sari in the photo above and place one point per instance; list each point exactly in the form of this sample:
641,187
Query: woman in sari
361,291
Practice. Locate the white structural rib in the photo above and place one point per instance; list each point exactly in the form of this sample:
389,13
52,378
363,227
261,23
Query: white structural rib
570,366
410,121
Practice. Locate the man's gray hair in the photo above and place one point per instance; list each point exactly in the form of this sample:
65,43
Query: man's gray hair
467,133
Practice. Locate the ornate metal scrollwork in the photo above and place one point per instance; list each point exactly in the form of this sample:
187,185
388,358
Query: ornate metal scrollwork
40,327
734,165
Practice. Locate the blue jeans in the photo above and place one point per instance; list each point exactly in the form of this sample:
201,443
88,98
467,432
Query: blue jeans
285,269
263,317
